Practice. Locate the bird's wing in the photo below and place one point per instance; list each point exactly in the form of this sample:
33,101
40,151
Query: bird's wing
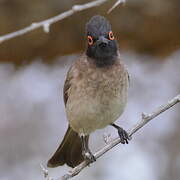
67,84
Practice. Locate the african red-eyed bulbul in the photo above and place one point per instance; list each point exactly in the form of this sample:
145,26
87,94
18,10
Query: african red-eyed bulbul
95,94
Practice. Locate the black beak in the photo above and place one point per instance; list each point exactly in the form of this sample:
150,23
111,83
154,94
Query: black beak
102,41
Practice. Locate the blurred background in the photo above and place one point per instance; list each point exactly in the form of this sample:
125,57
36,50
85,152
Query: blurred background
32,72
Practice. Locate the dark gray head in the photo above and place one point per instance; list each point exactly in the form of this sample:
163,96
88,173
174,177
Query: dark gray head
102,47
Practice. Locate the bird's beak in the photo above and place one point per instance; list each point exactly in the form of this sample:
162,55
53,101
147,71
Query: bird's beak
102,40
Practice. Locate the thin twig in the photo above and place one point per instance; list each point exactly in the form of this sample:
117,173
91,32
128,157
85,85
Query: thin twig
46,23
118,2
144,120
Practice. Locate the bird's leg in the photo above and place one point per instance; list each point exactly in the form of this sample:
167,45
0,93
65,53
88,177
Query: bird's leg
87,154
124,137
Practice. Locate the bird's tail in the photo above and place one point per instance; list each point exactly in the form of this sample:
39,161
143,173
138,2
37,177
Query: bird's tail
69,152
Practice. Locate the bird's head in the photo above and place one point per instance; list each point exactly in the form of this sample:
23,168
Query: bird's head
102,46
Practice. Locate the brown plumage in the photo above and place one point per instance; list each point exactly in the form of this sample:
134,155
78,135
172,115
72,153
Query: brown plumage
95,94
69,151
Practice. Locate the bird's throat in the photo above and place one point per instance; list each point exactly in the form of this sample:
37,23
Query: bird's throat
102,59
105,62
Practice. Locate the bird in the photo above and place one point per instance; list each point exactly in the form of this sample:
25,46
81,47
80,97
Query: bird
95,94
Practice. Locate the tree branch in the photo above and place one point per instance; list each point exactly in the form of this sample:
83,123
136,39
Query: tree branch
46,23
118,2
144,120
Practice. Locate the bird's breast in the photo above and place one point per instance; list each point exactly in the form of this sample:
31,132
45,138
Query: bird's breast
97,97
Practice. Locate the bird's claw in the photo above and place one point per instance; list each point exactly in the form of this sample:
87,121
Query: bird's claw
124,137
89,156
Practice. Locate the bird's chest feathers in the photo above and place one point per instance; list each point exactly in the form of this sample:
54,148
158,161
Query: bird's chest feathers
99,83
97,90
97,97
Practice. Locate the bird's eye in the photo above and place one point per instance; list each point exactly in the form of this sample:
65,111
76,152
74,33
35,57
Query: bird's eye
111,36
90,40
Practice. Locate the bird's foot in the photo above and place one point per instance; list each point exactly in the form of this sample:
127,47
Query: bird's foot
124,137
89,156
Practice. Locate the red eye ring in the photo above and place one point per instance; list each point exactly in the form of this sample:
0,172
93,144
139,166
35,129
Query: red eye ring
111,36
90,40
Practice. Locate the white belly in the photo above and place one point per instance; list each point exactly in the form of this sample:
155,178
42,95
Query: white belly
85,115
